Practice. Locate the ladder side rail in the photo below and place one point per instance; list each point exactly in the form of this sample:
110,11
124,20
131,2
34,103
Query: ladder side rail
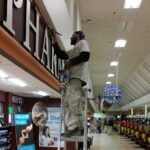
61,119
85,127
84,137
85,122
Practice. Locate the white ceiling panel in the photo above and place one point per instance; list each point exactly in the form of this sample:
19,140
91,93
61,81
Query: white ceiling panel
109,22
33,84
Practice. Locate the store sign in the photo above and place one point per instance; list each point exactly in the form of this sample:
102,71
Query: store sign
17,100
39,114
23,21
24,132
112,94
21,119
49,134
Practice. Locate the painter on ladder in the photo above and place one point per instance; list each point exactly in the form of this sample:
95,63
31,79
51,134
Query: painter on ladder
77,65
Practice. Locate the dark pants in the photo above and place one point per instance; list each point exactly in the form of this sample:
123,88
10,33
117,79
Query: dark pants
99,129
89,143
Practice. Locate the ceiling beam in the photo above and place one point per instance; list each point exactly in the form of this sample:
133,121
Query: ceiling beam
139,102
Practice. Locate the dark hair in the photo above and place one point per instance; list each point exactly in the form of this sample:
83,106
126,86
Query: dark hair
44,131
81,34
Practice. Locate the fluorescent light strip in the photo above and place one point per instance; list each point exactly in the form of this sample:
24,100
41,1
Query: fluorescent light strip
42,93
110,75
9,118
108,82
120,43
114,63
17,82
132,4
3,74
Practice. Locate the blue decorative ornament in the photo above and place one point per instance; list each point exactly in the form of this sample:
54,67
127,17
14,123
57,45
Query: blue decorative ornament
112,94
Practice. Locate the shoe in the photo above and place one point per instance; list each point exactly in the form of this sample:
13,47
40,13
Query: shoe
70,133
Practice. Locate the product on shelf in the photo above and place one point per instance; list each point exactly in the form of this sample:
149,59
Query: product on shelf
7,138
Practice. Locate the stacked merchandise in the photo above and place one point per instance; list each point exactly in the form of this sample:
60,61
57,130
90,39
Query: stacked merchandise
4,139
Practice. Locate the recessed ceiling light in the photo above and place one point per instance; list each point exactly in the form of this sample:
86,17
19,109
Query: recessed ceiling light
42,93
120,43
3,74
17,82
132,4
114,63
108,82
110,75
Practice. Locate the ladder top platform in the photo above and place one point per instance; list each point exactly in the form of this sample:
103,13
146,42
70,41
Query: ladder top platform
73,138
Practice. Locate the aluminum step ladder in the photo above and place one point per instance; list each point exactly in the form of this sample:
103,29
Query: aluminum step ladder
76,139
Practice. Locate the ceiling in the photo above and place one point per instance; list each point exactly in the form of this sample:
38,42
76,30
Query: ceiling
104,22
33,84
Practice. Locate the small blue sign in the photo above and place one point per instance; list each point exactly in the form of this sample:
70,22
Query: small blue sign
22,116
26,147
20,122
21,119
112,94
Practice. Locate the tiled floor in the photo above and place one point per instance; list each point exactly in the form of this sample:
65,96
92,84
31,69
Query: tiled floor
104,141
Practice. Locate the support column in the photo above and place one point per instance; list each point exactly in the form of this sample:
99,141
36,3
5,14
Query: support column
145,110
131,112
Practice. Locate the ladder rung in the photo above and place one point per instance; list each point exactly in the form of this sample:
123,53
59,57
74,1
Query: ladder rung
73,138
81,118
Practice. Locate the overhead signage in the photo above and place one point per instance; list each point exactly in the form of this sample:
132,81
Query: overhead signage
112,94
22,20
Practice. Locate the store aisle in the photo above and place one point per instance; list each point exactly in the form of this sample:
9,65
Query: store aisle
113,142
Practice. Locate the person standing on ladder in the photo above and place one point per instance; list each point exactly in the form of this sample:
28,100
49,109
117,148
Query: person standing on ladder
77,65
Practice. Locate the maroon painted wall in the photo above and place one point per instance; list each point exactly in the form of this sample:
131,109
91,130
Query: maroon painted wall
4,96
4,100
49,102
27,107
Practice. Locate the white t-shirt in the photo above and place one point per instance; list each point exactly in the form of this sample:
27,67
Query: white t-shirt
44,141
79,71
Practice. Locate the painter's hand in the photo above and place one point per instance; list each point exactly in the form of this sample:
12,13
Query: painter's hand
53,33
54,37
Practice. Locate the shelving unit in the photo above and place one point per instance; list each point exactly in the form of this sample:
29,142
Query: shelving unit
7,138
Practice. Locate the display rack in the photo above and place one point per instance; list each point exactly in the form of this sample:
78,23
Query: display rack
7,138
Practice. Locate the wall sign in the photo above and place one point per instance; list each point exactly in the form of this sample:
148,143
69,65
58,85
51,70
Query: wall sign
39,114
21,119
17,100
22,20
24,132
49,133
112,94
